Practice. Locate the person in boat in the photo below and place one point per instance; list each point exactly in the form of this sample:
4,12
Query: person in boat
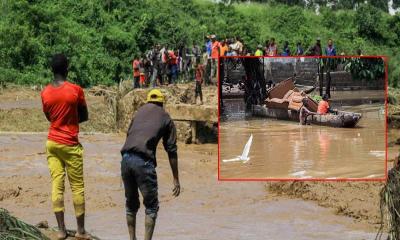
304,112
323,106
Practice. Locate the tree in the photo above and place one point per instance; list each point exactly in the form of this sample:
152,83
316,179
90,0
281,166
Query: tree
369,22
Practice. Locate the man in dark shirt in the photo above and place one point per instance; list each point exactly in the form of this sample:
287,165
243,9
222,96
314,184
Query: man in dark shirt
316,50
150,124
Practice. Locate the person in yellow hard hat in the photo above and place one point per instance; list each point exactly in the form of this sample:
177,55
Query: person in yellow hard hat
138,166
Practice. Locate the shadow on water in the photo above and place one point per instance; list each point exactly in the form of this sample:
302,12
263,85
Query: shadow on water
234,110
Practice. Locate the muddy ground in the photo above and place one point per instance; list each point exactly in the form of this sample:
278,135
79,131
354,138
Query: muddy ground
358,200
217,210
206,209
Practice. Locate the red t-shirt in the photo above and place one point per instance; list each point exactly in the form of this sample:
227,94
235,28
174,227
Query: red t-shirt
199,73
61,105
136,66
323,107
172,58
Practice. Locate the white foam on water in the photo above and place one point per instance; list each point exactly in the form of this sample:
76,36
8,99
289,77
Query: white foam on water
378,154
298,174
372,176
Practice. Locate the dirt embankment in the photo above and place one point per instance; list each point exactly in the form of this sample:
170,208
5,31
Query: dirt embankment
394,108
21,111
358,200
125,103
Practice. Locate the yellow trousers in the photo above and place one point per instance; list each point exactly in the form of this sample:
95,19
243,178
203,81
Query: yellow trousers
63,159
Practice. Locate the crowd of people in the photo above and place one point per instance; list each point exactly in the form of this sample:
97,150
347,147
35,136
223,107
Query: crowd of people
163,65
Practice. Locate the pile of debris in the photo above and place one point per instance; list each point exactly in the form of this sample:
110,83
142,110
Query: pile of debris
123,102
394,107
390,204
13,228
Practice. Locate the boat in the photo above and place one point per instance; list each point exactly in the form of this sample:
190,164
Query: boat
285,102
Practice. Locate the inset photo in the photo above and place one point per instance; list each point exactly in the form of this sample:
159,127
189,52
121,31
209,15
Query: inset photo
299,118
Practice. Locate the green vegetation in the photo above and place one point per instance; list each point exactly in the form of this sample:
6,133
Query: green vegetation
365,68
13,229
101,37
316,98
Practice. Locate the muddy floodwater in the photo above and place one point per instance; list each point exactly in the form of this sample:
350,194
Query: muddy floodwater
206,209
284,149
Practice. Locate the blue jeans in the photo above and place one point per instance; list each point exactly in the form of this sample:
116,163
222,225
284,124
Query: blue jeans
174,73
153,81
139,174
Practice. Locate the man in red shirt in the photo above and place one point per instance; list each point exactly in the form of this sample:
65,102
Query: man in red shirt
136,72
173,67
65,107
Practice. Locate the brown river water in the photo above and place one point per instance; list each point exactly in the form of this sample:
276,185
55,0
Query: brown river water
206,209
284,149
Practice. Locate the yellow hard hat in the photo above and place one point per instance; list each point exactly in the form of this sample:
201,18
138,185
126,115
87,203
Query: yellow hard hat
155,95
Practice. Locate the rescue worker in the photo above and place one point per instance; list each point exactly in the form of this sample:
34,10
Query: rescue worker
138,166
323,106
64,107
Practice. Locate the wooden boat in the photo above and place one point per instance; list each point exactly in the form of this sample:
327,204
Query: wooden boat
285,102
342,119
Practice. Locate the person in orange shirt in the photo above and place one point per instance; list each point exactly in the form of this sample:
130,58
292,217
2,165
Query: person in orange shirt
323,106
215,52
223,48
215,49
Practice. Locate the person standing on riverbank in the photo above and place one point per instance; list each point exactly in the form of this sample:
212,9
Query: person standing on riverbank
136,72
65,107
259,51
286,49
299,49
215,53
138,166
273,48
199,80
316,50
330,49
